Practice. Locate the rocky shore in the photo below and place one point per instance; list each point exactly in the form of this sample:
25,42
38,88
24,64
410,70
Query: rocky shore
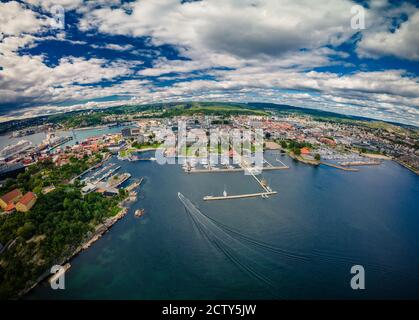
91,238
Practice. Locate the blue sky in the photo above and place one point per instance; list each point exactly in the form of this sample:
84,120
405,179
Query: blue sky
303,53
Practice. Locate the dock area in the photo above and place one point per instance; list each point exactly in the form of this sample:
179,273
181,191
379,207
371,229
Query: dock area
116,180
221,170
134,185
245,166
240,196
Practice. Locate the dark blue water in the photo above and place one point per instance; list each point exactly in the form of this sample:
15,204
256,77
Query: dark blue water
322,222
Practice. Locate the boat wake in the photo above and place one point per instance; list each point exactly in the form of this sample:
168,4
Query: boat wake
241,249
244,257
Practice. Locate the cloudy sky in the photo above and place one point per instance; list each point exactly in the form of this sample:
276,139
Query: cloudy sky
299,52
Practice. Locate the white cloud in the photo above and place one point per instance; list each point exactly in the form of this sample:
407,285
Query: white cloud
402,43
258,50
240,28
15,19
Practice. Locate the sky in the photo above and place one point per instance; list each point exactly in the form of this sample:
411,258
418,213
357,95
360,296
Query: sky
351,57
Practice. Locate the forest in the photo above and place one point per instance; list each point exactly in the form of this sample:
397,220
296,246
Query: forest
58,223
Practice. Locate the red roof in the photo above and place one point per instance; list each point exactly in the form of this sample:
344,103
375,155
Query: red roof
8,197
10,207
28,197
305,150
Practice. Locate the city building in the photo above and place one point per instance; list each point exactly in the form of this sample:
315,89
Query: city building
26,202
7,201
11,170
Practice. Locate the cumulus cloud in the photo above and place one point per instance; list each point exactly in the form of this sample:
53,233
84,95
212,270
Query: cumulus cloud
403,42
247,50
15,19
241,28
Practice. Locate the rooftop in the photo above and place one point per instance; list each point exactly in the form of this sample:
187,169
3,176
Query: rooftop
27,198
8,197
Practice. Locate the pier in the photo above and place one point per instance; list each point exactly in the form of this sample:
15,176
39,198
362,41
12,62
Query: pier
134,185
107,174
244,166
116,180
240,196
98,165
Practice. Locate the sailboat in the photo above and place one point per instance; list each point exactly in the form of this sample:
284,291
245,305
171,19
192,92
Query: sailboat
225,192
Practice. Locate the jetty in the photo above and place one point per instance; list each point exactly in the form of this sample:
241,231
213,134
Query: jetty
244,166
240,196
134,185
107,174
116,180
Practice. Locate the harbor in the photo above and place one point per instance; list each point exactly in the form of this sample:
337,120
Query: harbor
165,229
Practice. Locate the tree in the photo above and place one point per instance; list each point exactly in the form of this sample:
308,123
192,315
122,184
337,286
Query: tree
26,231
317,157
284,144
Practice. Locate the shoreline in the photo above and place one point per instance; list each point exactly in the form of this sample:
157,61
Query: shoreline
375,156
99,231
406,166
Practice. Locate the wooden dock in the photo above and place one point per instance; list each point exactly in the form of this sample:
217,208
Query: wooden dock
240,196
